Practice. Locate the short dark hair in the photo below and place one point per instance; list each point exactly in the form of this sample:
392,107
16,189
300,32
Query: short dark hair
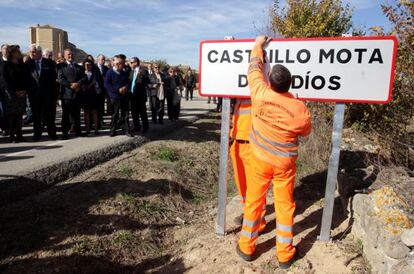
87,61
280,79
122,56
11,50
135,59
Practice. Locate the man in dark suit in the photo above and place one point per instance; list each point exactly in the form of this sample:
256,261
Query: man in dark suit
100,63
69,76
139,80
42,93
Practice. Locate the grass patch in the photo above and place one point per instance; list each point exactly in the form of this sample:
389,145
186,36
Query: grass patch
166,154
124,239
126,171
127,198
86,246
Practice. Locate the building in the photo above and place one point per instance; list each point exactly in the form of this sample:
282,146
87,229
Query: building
49,37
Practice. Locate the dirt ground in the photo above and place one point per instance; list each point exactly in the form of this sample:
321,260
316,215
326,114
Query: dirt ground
153,210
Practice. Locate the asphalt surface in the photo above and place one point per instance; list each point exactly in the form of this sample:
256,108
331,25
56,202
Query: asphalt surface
23,158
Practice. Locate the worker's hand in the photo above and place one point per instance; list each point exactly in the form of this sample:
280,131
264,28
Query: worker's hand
263,40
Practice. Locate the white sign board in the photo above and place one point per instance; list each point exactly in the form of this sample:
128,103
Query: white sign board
343,69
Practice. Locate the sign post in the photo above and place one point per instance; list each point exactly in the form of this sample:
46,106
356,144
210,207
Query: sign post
332,178
334,69
224,163
223,169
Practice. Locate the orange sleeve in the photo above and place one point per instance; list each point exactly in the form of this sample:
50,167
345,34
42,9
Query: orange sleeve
307,124
255,77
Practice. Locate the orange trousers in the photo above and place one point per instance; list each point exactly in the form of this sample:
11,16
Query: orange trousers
240,153
260,175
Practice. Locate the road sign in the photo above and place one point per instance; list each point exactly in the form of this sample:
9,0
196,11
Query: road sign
340,69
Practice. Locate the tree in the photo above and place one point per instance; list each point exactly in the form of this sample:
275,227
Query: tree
391,123
311,18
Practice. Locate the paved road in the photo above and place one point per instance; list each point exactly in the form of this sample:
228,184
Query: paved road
22,158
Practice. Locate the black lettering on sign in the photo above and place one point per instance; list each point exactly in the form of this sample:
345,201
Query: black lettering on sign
335,85
340,56
306,58
360,51
225,57
314,84
287,57
376,57
209,56
297,81
238,58
249,52
242,81
326,55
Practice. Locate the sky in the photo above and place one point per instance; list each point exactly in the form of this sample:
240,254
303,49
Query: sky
152,29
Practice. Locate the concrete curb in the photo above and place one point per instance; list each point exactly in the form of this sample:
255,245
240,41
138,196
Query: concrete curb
15,188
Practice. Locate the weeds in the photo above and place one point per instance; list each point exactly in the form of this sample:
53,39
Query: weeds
166,154
126,171
86,246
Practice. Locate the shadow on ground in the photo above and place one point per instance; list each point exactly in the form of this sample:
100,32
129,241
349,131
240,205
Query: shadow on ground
311,189
45,223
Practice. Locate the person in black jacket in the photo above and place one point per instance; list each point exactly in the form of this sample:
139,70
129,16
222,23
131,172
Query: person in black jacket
172,91
14,85
139,81
116,85
69,76
190,83
91,90
100,63
42,92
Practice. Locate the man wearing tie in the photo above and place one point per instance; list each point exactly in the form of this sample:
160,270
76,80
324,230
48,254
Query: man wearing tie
42,93
100,63
138,95
69,76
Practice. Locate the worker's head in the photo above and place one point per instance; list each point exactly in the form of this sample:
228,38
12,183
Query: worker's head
280,78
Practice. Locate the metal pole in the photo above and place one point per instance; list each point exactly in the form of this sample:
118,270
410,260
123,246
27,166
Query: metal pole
332,178
224,154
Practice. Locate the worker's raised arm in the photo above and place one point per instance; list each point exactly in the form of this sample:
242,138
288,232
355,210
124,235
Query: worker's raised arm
255,75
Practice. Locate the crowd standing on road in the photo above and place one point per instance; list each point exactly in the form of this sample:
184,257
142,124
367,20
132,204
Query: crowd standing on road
34,85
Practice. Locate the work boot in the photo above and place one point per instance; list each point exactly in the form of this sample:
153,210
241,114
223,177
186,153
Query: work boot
286,265
238,220
246,257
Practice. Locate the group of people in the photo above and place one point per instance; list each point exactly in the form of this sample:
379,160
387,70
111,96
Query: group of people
34,84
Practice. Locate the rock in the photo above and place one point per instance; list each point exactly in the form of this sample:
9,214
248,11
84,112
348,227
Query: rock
179,220
396,249
213,212
403,267
407,237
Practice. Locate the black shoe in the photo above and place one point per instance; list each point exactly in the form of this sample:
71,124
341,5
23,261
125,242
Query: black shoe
53,137
144,130
286,265
65,136
113,134
96,133
238,220
246,257
36,138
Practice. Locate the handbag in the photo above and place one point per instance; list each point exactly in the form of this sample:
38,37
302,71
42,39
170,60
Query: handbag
177,96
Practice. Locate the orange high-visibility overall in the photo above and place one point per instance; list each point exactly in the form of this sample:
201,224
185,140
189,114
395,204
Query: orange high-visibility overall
278,119
240,149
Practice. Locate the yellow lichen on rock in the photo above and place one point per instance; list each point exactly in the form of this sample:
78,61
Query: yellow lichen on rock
390,209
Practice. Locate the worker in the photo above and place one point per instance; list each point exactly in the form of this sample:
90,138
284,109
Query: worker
278,120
